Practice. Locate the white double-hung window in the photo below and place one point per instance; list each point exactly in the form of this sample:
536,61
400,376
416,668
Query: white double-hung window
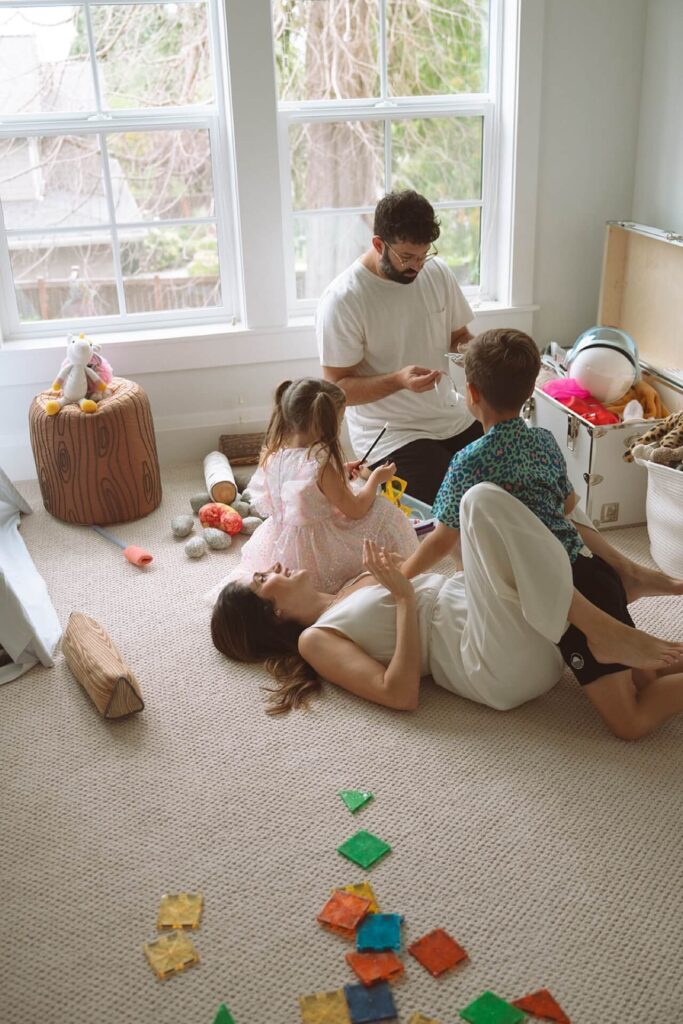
114,181
381,95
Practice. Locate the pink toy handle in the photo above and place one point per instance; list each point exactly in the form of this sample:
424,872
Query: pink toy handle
137,556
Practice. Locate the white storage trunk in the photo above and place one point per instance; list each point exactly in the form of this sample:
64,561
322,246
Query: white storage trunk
642,293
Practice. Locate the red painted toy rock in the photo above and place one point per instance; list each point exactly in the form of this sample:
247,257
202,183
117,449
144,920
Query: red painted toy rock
223,517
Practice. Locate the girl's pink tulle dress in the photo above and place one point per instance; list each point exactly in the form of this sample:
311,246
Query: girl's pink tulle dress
304,531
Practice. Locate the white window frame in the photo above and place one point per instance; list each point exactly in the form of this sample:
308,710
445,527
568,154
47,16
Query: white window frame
103,122
392,108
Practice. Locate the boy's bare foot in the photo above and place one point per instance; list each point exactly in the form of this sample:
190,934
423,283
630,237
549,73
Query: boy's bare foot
639,581
623,645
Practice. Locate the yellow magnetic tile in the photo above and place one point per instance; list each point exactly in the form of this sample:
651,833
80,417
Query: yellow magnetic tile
365,891
180,910
325,1008
172,952
419,1018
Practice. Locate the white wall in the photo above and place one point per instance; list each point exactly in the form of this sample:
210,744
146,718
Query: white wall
592,65
658,195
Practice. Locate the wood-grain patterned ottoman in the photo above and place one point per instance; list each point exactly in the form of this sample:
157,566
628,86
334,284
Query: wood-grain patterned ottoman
99,467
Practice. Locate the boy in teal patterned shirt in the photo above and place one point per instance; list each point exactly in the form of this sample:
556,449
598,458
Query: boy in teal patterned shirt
501,367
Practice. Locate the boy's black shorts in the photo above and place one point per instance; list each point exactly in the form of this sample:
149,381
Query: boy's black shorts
598,582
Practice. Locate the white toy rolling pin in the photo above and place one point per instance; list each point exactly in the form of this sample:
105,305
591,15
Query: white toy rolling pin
219,477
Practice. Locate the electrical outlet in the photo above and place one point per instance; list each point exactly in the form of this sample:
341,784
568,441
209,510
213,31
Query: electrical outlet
609,513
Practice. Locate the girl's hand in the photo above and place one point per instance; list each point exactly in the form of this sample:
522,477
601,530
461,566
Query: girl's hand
383,473
353,469
385,567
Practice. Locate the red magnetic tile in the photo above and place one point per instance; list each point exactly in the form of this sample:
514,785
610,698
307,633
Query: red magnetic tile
372,967
542,1004
437,952
343,912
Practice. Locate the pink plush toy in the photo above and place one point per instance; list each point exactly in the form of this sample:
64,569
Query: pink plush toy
221,516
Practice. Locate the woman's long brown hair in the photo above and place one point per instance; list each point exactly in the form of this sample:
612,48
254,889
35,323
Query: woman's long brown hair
245,628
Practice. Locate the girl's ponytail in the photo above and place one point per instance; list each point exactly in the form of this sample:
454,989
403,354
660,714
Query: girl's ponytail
325,421
276,431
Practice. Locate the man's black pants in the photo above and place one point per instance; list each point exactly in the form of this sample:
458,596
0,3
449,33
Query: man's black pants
423,463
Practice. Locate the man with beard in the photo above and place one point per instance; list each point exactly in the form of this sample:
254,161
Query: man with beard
383,328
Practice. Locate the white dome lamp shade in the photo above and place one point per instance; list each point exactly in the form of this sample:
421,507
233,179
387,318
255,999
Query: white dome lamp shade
604,360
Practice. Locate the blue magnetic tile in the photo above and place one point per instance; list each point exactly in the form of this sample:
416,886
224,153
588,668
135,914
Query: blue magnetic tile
379,931
367,1005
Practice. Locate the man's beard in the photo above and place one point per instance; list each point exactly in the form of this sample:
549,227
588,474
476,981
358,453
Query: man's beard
390,271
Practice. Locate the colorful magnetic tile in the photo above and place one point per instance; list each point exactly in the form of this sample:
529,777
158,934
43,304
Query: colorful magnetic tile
419,1018
343,912
180,910
169,953
365,891
374,967
364,849
223,1016
324,1008
379,931
355,798
437,952
367,1005
542,1004
491,1009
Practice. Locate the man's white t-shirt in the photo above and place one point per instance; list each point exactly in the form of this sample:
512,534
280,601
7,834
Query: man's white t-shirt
383,326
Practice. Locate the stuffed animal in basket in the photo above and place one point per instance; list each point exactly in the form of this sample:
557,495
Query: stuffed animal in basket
79,383
663,443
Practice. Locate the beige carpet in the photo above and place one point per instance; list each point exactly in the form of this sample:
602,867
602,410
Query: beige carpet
550,850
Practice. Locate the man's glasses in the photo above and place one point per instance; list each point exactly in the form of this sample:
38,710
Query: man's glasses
407,260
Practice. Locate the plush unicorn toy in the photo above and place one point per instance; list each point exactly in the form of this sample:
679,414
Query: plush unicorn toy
76,378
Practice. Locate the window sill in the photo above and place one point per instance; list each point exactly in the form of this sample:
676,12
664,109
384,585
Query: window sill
33,361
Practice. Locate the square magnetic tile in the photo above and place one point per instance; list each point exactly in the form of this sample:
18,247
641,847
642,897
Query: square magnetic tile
170,953
374,967
367,1005
364,848
343,912
379,931
437,952
324,1008
491,1009
365,891
180,910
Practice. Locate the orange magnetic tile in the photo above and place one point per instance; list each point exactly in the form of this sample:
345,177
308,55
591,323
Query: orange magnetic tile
542,1004
343,912
419,1018
372,967
180,910
364,890
324,1008
169,953
437,952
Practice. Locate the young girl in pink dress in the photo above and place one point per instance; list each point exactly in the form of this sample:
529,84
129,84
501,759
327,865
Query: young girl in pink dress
319,512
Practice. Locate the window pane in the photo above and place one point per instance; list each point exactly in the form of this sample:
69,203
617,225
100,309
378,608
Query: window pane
161,174
324,245
440,157
326,51
170,268
153,55
437,47
460,241
337,164
64,276
52,181
44,62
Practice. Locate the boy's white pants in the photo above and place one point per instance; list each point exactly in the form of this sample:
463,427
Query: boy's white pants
518,588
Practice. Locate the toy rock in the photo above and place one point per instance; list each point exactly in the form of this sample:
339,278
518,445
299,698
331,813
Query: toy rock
197,500
182,526
250,523
195,547
216,539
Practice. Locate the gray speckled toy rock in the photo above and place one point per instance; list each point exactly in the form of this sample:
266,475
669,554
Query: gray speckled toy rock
216,539
242,507
195,547
197,500
249,524
182,526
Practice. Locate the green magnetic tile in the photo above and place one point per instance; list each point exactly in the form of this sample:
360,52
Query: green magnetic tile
363,848
355,798
223,1016
491,1009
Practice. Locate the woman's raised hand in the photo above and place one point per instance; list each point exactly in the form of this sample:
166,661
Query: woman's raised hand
384,566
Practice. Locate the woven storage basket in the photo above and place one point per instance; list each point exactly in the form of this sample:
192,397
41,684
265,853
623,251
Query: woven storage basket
664,511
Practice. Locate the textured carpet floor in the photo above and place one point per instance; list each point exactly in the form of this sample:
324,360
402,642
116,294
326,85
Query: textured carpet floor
549,849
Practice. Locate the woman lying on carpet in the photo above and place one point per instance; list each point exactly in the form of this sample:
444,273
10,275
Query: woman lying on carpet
489,633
